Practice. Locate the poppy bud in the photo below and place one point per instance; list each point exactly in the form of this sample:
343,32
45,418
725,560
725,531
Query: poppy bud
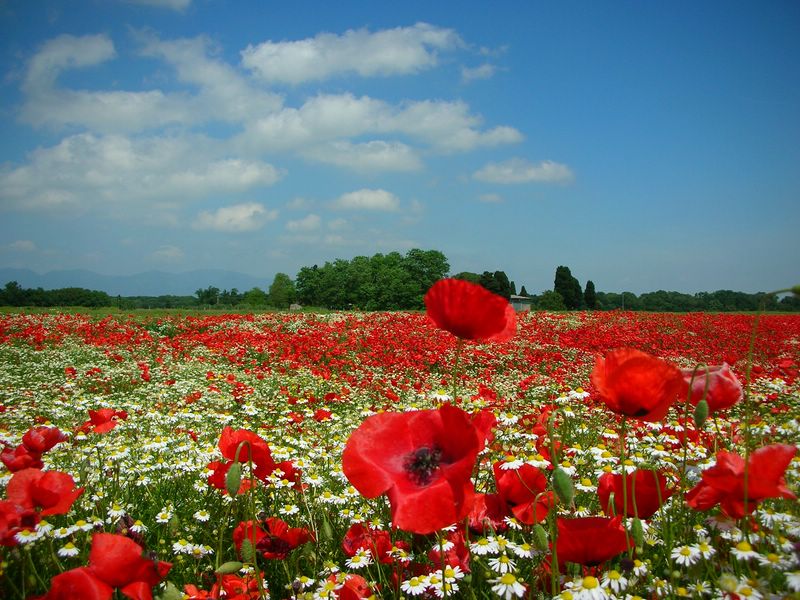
229,567
700,413
637,531
248,551
562,484
327,530
540,538
233,478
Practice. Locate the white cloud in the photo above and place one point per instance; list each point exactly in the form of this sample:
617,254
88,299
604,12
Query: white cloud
65,52
308,223
178,5
490,198
399,51
167,254
22,246
338,224
484,71
369,156
518,170
326,118
102,172
368,200
249,216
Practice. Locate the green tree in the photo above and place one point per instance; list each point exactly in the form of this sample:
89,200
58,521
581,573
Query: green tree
255,297
468,276
589,296
568,287
307,285
282,292
550,300
425,267
208,296
523,291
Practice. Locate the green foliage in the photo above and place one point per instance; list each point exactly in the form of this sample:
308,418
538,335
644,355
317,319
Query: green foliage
382,282
496,283
468,276
568,287
15,295
589,296
208,296
282,292
255,297
550,300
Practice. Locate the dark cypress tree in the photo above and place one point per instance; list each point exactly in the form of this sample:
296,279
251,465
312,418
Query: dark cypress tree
589,296
568,287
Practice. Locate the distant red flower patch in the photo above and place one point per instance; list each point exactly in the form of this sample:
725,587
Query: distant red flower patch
470,311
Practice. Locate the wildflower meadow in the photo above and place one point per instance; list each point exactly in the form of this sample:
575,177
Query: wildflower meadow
464,452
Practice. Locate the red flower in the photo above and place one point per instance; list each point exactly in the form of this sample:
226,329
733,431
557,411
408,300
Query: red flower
646,492
103,420
470,311
13,519
52,491
718,385
422,460
41,439
247,530
524,492
253,448
19,458
590,541
115,561
723,483
636,384
361,535
279,539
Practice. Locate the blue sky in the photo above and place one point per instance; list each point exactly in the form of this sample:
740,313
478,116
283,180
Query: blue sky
646,145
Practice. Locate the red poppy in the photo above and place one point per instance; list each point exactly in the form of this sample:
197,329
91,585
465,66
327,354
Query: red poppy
355,587
646,492
590,541
362,536
247,530
51,491
41,439
13,519
470,311
636,384
718,385
103,420
421,459
115,561
19,458
523,490
279,539
723,483
488,513
252,448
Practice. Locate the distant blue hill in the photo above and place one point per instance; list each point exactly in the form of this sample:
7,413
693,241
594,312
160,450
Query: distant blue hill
149,283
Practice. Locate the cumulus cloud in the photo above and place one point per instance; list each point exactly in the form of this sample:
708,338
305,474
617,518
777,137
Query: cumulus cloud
102,171
22,246
308,223
518,170
399,51
249,216
369,156
484,71
167,254
446,126
367,199
177,5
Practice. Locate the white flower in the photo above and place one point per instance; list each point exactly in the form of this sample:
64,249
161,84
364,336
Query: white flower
686,555
501,564
615,581
362,558
587,588
289,509
484,546
182,547
511,463
744,551
138,527
68,549
415,586
202,515
507,586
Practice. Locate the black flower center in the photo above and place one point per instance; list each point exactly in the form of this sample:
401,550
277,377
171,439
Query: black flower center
422,463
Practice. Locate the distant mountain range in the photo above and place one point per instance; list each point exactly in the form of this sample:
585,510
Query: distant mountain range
149,283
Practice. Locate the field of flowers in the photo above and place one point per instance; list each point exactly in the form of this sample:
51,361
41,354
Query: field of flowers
202,457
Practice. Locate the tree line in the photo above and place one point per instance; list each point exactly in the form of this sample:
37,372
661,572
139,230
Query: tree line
397,281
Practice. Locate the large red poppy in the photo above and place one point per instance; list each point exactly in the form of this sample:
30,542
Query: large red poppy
13,519
115,561
636,384
51,491
723,483
470,311
422,460
718,385
590,541
646,492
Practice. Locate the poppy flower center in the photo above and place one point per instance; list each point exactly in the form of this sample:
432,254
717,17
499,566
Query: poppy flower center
274,545
422,463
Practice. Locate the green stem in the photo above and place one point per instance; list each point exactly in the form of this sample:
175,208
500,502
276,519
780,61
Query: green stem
456,365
